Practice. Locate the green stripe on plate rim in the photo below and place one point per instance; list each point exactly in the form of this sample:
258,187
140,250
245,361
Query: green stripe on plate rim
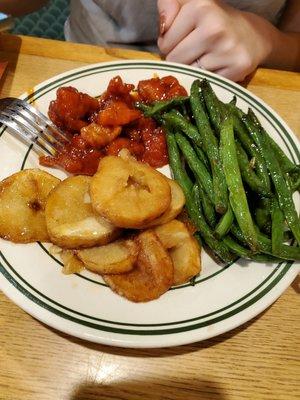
281,273
215,80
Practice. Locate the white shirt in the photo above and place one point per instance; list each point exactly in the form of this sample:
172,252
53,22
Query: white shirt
134,23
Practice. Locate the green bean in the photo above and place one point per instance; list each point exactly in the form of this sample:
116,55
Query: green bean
179,122
246,253
288,181
233,101
293,181
262,213
201,155
210,146
247,172
213,105
296,184
286,164
142,106
193,205
178,171
161,106
217,246
234,110
237,233
207,207
217,114
284,252
287,236
224,224
237,195
182,108
198,168
283,193
249,145
277,227
146,108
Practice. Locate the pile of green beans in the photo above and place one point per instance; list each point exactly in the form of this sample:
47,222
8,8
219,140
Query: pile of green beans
238,183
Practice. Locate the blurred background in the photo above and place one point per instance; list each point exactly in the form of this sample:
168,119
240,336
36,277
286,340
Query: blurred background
48,22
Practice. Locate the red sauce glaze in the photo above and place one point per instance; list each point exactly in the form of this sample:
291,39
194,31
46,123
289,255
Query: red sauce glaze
117,90
156,89
76,157
156,152
99,136
118,113
145,132
136,148
71,109
104,126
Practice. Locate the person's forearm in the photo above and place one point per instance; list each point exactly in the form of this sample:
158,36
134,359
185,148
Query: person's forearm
286,42
17,8
285,52
290,19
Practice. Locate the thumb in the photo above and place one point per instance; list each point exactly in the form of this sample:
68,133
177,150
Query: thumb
167,11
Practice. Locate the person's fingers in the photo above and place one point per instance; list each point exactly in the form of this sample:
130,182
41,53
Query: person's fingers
226,72
182,26
198,64
189,49
219,64
235,65
232,74
201,42
167,11
211,62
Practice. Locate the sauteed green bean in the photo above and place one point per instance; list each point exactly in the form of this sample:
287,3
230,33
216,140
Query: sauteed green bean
237,181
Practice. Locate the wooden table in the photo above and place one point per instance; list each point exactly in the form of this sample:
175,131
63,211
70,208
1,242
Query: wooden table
259,360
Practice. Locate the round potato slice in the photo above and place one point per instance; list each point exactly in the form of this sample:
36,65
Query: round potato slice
114,258
129,193
183,248
152,275
22,205
186,260
176,206
172,233
71,220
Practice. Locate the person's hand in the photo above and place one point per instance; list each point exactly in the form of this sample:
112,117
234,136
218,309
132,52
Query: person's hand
214,36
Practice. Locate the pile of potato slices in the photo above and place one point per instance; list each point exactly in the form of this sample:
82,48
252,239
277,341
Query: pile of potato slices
119,223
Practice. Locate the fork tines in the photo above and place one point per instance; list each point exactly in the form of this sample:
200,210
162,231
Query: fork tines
31,125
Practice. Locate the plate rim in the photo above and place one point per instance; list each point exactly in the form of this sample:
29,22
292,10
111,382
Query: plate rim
159,64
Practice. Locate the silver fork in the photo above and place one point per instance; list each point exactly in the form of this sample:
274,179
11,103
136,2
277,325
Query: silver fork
30,125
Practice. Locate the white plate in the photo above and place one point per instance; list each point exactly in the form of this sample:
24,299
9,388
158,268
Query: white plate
81,305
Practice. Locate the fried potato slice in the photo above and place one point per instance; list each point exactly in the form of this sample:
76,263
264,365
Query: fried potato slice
152,275
114,258
71,220
172,233
22,205
72,264
175,208
129,193
183,248
186,260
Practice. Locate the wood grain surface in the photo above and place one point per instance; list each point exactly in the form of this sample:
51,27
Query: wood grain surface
259,360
